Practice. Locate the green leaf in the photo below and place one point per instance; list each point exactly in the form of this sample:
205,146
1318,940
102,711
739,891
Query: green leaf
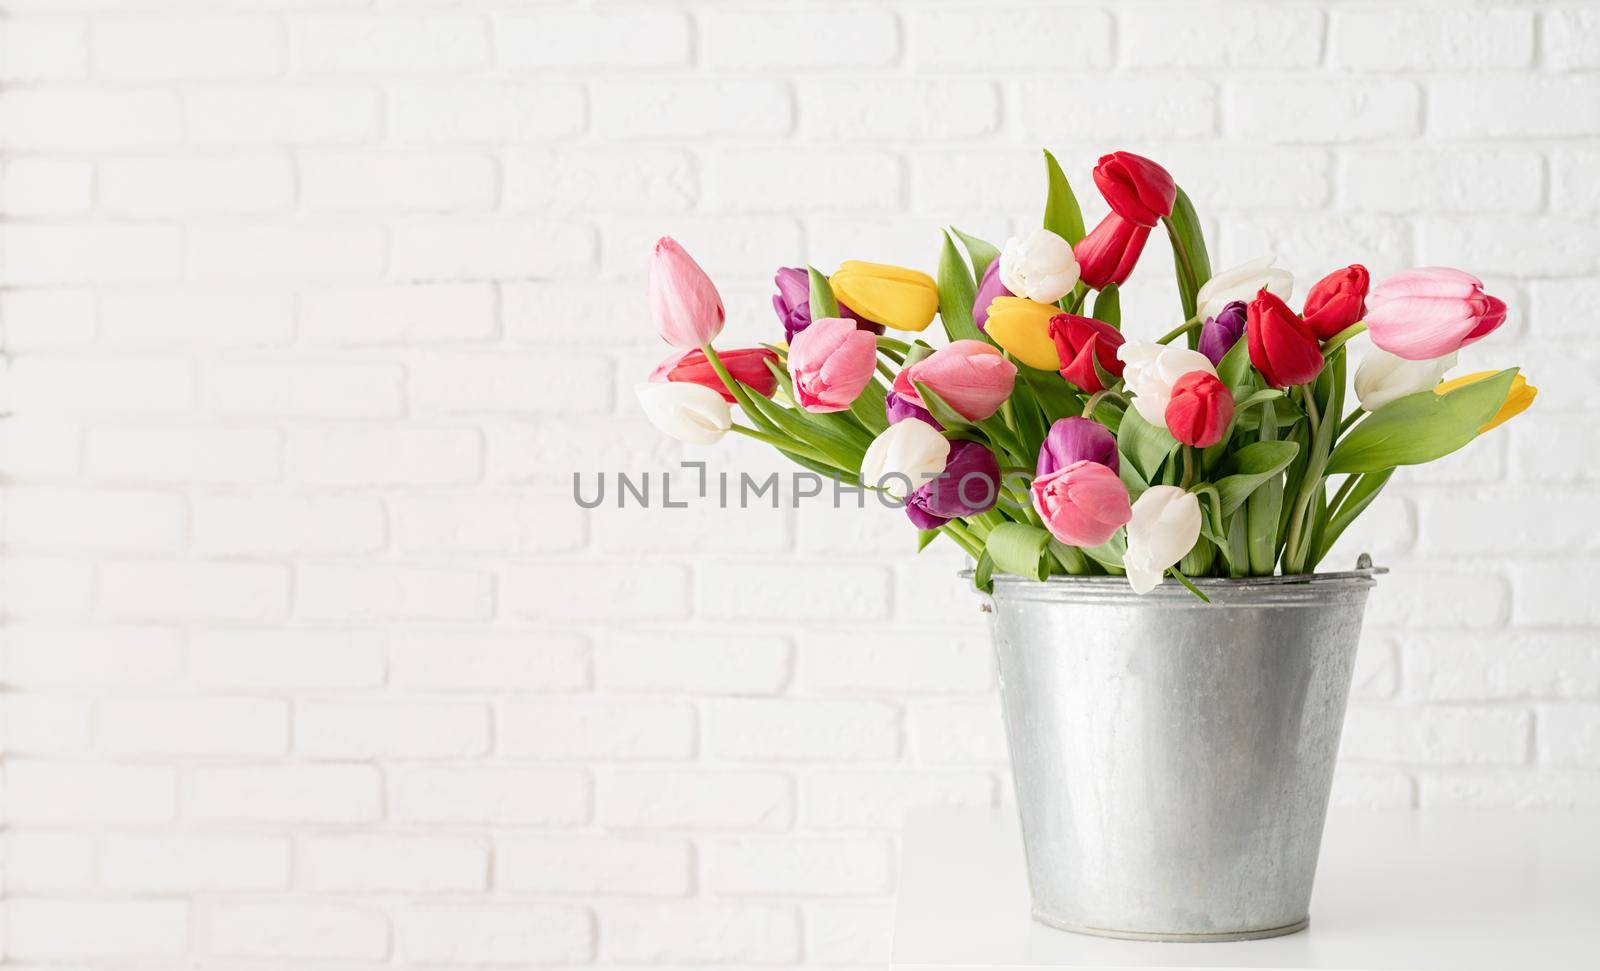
1265,508
924,537
956,293
822,302
1110,553
983,573
1360,497
1247,469
940,409
1055,396
1258,398
1108,306
868,408
982,252
1420,427
1234,370
1189,253
1018,548
1061,213
1144,445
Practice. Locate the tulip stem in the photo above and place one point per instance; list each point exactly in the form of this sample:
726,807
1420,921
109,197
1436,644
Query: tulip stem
1338,340
1177,332
785,445
889,343
1348,484
1188,465
1349,421
1093,401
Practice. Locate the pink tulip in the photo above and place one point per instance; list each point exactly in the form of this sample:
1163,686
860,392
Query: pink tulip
972,377
1083,504
831,362
1430,311
683,300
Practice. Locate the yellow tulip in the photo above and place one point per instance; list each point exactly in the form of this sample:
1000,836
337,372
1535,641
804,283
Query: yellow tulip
1022,327
890,295
1517,400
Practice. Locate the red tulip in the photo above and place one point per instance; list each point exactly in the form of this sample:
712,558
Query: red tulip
1281,346
1138,189
747,365
1082,341
1337,301
1109,253
1200,409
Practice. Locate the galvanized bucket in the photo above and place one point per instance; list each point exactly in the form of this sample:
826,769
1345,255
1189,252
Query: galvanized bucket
1173,758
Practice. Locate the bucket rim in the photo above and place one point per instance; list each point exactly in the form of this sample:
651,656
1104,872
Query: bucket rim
1308,588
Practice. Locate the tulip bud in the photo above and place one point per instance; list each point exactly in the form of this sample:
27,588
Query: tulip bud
1430,311
989,288
1076,440
1083,342
1110,251
904,457
968,486
1150,370
898,408
1082,504
1282,347
1022,327
1039,266
1336,301
1518,398
890,295
1136,188
831,362
971,376
1200,410
1164,527
684,302
746,365
1241,283
1383,377
793,303
690,413
1218,334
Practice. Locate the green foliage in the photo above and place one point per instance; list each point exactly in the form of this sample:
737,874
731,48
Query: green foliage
1061,213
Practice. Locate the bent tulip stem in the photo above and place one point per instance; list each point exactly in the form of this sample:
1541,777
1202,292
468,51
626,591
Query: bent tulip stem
1179,331
1338,340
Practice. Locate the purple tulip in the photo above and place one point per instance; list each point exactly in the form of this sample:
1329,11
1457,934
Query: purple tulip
793,303
1220,333
1076,440
969,484
989,288
897,409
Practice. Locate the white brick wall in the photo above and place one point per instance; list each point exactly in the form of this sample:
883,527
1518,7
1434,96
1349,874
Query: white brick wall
312,307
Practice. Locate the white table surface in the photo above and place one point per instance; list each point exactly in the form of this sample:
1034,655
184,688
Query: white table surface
1440,891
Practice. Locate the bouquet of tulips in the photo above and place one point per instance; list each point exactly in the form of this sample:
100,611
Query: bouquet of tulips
1042,439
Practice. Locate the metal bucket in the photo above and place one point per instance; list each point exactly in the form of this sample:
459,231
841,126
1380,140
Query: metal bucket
1173,758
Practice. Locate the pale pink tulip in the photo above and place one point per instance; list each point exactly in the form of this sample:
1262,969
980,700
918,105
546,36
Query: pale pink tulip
831,362
971,376
1083,504
683,300
1430,311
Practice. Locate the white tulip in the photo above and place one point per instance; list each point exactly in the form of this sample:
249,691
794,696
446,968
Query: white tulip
1040,266
689,412
1242,283
910,448
1164,527
1151,370
1383,377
